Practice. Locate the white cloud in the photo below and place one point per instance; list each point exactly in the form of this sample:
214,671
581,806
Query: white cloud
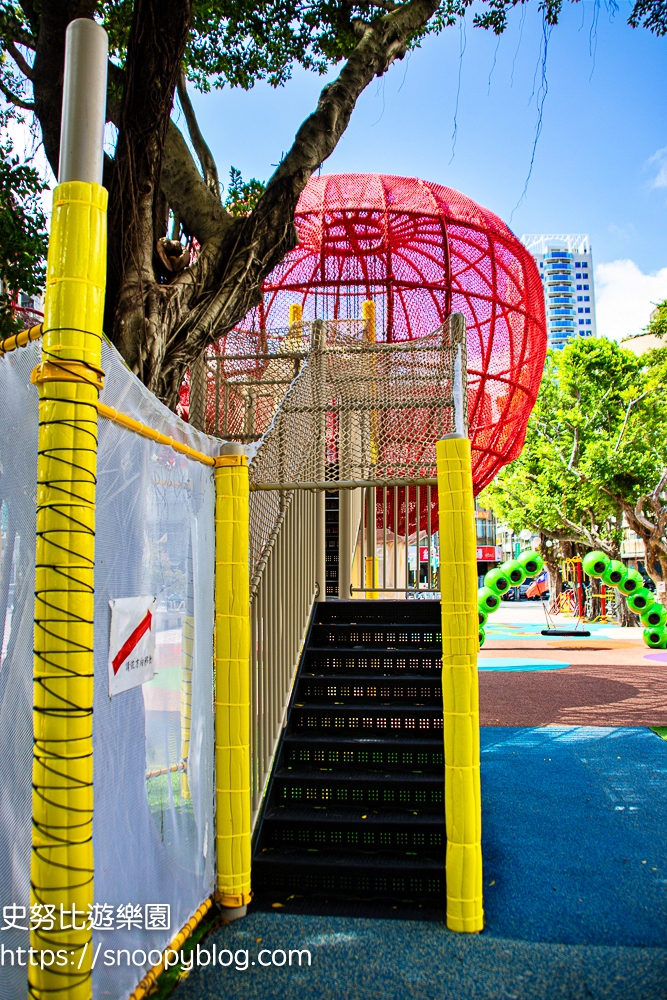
660,158
625,297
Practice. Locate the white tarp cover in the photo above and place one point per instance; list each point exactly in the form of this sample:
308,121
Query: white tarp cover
153,836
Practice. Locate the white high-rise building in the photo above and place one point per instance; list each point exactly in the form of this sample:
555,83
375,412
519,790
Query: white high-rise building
565,263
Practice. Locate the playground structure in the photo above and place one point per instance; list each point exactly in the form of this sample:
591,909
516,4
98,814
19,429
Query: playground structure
420,252
388,260
500,580
597,565
630,583
131,501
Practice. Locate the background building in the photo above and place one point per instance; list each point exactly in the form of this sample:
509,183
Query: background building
565,263
489,553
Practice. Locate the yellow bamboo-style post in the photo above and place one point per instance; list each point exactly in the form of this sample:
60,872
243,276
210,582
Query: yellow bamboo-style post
232,681
460,645
294,340
372,563
68,379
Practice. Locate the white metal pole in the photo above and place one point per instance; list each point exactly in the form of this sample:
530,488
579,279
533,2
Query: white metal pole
84,102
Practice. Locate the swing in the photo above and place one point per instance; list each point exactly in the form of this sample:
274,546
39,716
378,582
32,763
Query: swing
578,632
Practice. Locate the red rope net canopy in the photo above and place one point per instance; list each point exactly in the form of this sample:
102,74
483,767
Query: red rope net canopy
422,251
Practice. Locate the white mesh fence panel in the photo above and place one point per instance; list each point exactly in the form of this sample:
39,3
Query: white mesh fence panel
18,467
154,834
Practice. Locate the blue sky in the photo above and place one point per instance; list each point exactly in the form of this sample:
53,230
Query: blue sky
601,159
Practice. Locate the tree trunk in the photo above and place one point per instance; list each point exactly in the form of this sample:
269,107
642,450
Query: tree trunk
624,615
162,321
48,66
137,217
161,326
550,555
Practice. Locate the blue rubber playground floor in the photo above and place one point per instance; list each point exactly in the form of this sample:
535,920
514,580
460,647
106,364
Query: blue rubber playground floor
575,883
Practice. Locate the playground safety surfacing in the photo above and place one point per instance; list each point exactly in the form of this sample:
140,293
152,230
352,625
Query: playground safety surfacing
574,793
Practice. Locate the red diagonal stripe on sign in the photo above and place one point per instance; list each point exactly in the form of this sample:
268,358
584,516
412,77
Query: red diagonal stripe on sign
129,644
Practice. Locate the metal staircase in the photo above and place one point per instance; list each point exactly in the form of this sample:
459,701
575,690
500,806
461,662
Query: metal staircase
354,809
331,516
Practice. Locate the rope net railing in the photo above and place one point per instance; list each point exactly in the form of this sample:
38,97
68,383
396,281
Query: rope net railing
357,414
246,377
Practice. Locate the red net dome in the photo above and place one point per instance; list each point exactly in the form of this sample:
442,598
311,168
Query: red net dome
422,251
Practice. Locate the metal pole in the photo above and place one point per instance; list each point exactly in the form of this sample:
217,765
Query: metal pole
460,380
344,544
68,381
318,361
84,103
370,564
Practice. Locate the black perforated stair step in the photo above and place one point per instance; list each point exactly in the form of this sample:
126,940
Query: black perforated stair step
367,720
353,877
409,689
323,753
354,830
379,612
368,789
375,663
365,635
355,805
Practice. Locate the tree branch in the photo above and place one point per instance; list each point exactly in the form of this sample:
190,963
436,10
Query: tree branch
222,287
575,448
382,43
13,99
199,210
20,60
137,214
627,417
204,154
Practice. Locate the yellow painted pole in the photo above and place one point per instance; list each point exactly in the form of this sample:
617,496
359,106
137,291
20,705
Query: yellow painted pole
68,381
295,313
372,563
460,645
232,681
294,340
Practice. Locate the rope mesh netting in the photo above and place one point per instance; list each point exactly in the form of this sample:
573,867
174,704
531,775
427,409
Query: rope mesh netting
153,828
357,413
420,251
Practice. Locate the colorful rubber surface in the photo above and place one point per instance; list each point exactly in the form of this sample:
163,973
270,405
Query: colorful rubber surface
579,857
574,841
511,663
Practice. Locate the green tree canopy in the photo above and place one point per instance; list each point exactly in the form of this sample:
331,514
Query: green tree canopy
595,452
23,238
658,324
163,181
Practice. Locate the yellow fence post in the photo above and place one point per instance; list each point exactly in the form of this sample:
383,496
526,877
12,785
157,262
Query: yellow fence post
232,680
68,379
460,645
294,339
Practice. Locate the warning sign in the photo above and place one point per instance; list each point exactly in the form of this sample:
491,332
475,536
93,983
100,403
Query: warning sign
132,643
